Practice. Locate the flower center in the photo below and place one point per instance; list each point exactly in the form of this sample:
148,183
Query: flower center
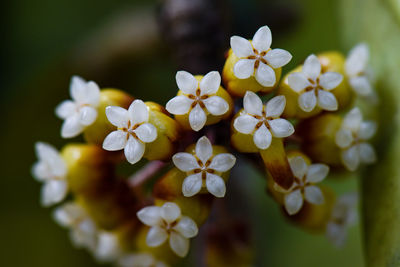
198,99
204,169
314,86
130,130
263,119
169,227
259,57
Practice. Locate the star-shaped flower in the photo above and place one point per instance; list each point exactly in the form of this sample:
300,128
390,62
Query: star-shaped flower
352,139
167,222
203,169
263,122
81,111
198,98
314,88
257,59
51,170
306,176
140,260
133,130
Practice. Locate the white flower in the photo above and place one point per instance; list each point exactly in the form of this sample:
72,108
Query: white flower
352,137
305,178
51,170
166,222
263,121
107,247
133,130
314,88
344,215
81,111
140,260
198,99
203,169
257,59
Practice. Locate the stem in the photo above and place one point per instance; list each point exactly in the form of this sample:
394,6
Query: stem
146,173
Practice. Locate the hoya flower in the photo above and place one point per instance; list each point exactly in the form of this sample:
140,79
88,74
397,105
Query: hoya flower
81,111
352,138
143,259
314,88
198,99
107,247
305,178
263,122
344,215
51,170
167,222
133,130
256,58
203,169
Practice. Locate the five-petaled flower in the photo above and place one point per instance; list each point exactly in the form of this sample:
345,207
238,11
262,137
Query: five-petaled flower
198,98
142,259
263,122
352,137
257,59
314,88
133,130
51,169
306,176
167,222
81,111
203,169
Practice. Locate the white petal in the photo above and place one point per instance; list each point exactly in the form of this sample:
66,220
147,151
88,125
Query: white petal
252,103
216,105
156,236
330,80
327,100
298,166
204,149
222,162
71,127
367,153
87,115
281,128
65,109
197,118
179,105
134,150
353,120
146,132
245,124
117,116
92,94
186,82
367,130
307,101
150,216
275,107
262,137
47,154
179,244
312,67
313,195
298,81
210,83
53,192
115,140
344,138
215,185
138,112
336,233
185,162
357,60
361,85
187,227
317,172
192,185
241,47
265,75
293,202
351,158
40,171
77,89
170,212
107,248
277,58
262,39
244,68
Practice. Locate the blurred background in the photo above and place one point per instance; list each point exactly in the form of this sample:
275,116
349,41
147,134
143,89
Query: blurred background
138,46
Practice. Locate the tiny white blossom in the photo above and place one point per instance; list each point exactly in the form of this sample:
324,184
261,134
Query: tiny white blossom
305,178
81,111
167,222
256,58
107,247
51,169
133,130
198,99
203,169
143,259
352,139
344,215
263,122
314,88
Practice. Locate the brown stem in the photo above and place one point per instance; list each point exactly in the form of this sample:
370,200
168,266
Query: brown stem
146,173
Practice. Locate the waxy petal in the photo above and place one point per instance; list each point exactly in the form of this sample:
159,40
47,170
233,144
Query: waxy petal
134,150
298,81
222,162
252,103
179,105
192,185
367,153
146,132
293,202
313,195
275,107
312,67
87,115
138,112
357,60
344,138
117,116
281,128
262,137
278,58
262,39
210,83
351,158
327,100
353,119
241,47
215,185
150,216
187,227
367,130
245,124
197,118
115,141
65,109
298,166
170,212
265,75
53,191
71,127
307,101
185,162
204,149
216,105
244,68
362,86
179,244
186,82
317,172
330,80
156,236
